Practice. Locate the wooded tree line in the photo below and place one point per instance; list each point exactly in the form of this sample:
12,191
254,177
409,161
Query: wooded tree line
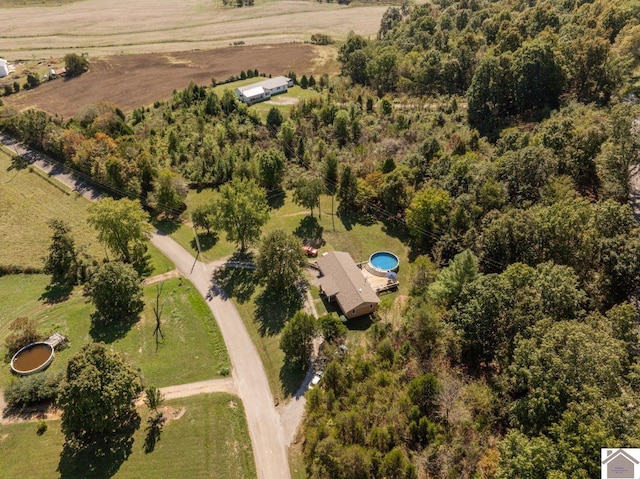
515,354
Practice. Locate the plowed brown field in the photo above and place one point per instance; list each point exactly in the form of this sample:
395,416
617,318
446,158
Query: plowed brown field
131,81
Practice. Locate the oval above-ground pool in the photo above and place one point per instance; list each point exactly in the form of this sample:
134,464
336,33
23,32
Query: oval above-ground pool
32,358
384,261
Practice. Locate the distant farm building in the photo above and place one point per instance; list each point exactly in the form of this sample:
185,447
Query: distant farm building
262,91
4,68
342,281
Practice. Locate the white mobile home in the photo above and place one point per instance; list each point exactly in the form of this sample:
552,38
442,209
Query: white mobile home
4,68
261,91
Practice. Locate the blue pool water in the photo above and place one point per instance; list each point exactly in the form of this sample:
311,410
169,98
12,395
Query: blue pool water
384,261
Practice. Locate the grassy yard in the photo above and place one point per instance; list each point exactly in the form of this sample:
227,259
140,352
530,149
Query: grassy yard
192,350
28,201
264,320
209,440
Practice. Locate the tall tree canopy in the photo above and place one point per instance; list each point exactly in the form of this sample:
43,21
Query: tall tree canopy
241,211
122,227
97,393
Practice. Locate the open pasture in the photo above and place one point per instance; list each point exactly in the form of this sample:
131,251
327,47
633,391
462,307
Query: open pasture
102,27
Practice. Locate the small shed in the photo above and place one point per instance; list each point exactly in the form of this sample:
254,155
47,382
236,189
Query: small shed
4,68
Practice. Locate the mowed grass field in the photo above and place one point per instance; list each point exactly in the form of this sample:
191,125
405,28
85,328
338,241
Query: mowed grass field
102,27
28,200
192,349
208,439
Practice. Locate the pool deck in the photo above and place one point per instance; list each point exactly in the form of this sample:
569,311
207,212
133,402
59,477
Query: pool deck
376,282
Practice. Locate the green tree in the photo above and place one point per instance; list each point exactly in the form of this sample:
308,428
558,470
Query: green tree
122,227
271,165
280,260
115,290
97,393
307,193
274,119
428,213
423,392
538,76
296,340
341,126
332,329
287,136
203,216
241,210
462,270
62,261
348,189
383,69
75,64
170,193
562,362
331,173
396,465
33,80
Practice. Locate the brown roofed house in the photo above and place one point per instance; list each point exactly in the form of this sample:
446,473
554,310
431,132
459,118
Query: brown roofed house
342,281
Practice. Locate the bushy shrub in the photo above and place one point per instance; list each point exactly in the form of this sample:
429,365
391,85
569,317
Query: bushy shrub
42,427
23,333
31,390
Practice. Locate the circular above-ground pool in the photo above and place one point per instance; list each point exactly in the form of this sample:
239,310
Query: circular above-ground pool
383,262
32,358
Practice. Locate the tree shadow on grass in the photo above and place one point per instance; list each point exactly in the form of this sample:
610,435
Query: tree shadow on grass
275,198
18,163
207,241
273,308
56,293
310,232
291,377
112,331
166,225
99,456
154,430
349,220
238,283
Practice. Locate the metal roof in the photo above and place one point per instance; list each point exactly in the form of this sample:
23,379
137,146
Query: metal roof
268,84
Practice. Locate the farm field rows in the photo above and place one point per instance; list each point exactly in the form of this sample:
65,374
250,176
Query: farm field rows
120,26
132,81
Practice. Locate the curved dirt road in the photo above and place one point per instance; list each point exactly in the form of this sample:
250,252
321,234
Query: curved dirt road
265,427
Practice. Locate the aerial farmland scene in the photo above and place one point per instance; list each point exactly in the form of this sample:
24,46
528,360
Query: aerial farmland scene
320,239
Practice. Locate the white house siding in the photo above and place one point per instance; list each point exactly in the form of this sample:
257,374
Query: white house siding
4,68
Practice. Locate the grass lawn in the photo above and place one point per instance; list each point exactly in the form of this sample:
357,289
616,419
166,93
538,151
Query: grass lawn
193,348
28,201
209,440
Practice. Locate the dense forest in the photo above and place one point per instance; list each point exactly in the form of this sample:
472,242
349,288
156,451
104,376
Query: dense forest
497,137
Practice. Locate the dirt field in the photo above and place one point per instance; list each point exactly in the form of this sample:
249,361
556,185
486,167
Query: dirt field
131,81
101,27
